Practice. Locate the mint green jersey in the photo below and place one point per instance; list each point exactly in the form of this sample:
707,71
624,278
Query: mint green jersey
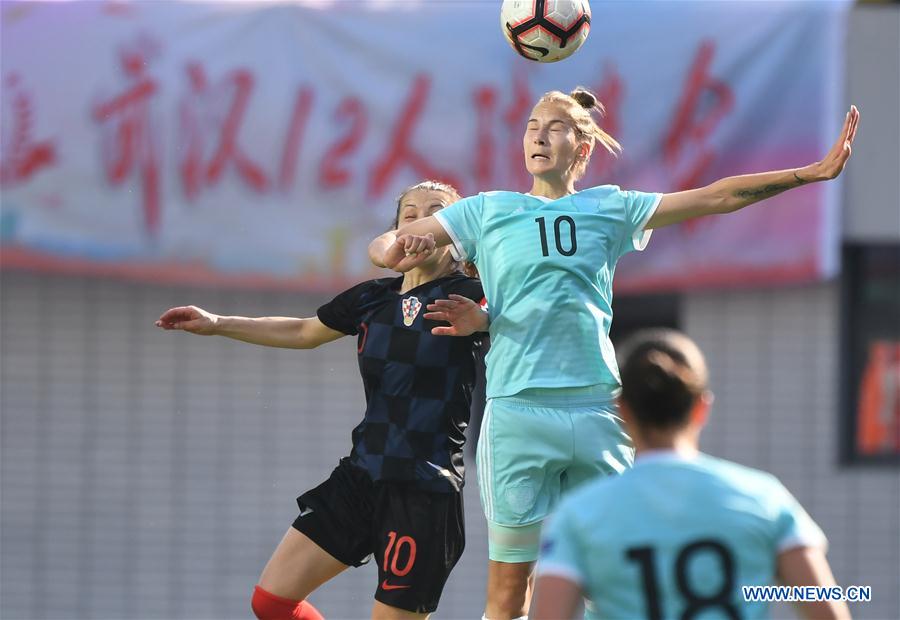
547,268
675,537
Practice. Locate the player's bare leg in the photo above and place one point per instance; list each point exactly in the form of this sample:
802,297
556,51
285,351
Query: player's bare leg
509,589
297,567
380,611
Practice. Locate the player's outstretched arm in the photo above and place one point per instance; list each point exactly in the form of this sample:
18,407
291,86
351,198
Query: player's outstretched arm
807,566
555,598
407,247
464,315
270,331
734,193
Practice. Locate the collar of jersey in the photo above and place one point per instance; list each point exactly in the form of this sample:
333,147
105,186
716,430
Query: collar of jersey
396,283
543,199
662,456
546,200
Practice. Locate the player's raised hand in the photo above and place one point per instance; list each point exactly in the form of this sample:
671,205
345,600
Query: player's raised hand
464,315
408,252
833,163
190,319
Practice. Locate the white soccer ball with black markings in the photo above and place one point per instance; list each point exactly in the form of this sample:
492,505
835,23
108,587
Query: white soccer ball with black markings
545,30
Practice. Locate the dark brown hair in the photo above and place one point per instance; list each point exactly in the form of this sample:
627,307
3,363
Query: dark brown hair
663,375
435,186
432,186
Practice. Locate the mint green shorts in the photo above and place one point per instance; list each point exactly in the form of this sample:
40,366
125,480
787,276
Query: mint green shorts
536,446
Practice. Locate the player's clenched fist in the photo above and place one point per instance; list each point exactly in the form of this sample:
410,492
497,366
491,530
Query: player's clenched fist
409,251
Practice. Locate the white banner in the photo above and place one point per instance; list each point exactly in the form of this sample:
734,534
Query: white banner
264,144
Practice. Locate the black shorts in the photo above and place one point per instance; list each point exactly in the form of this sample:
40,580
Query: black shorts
416,536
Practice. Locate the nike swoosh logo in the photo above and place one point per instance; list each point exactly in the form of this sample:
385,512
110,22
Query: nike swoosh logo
386,586
543,51
306,511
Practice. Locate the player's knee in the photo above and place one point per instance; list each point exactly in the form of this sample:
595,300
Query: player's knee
507,592
514,544
510,596
268,606
514,548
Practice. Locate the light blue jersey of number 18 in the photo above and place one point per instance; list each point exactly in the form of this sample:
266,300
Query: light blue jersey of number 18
675,537
547,268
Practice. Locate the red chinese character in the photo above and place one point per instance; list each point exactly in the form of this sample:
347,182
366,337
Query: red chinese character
704,103
20,156
485,100
215,110
400,151
610,93
128,136
290,152
331,173
515,119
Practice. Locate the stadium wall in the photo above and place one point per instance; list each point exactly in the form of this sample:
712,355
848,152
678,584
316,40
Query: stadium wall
149,474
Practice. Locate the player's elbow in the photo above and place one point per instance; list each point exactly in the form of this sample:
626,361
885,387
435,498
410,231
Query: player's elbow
717,201
378,247
375,254
713,199
729,205
304,341
298,335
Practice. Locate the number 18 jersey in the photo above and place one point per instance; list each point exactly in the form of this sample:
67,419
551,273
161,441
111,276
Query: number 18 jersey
676,537
547,268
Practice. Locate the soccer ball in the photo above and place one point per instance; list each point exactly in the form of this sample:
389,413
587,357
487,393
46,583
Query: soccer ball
545,30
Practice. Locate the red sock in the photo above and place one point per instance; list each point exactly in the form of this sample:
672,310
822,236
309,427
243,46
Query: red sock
268,606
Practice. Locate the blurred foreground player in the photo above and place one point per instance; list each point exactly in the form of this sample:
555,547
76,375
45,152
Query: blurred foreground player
399,493
679,534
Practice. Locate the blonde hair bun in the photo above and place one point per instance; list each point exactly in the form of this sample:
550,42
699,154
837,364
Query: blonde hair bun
585,98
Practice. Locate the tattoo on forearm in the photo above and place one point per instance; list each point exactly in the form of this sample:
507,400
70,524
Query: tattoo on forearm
757,193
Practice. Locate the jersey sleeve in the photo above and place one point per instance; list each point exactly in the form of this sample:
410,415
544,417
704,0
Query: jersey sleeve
471,288
462,221
342,312
639,208
793,525
560,549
